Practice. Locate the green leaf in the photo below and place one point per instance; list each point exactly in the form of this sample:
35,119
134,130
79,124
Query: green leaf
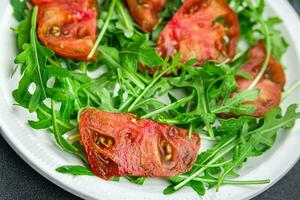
169,190
57,71
23,29
264,135
278,42
260,7
138,51
198,187
234,104
136,180
234,125
149,57
106,100
76,170
33,60
41,124
60,140
19,7
116,179
126,22
110,56
273,121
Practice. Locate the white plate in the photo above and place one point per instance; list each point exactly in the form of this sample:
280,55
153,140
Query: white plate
39,150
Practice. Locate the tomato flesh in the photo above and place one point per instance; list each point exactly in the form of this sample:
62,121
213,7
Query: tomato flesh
270,85
68,27
120,144
202,29
145,12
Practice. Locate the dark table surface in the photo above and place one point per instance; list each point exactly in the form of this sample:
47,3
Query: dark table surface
19,181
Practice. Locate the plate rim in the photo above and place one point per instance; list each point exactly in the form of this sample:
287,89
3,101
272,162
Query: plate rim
24,153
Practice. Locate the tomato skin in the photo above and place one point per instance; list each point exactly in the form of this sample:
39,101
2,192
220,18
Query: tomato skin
195,32
145,12
68,27
270,85
137,145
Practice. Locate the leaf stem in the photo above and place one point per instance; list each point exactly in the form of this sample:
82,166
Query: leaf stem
290,90
205,137
228,182
74,138
77,103
124,16
133,77
199,171
148,88
34,42
214,165
39,108
104,28
126,103
171,106
190,131
268,55
58,137
92,96
202,106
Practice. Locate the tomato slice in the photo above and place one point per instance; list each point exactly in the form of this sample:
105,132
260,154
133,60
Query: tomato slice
120,144
145,12
68,27
202,29
270,85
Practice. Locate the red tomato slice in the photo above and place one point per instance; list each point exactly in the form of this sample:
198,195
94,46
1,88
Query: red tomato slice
120,144
270,85
145,12
202,29
68,27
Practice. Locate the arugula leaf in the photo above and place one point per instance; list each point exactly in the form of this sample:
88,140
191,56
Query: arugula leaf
250,25
76,170
126,23
136,180
61,141
139,51
234,125
23,30
171,106
33,59
243,144
279,44
264,135
19,7
169,190
198,187
234,104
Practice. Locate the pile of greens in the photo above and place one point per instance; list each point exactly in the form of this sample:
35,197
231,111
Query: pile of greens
63,87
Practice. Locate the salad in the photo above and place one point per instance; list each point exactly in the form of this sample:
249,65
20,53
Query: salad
132,88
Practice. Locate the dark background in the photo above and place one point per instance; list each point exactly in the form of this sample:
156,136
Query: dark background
19,181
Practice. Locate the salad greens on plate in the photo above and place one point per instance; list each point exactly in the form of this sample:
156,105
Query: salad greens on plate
57,89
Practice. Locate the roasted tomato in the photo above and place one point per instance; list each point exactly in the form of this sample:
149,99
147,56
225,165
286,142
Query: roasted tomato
202,29
270,85
68,27
120,144
145,12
